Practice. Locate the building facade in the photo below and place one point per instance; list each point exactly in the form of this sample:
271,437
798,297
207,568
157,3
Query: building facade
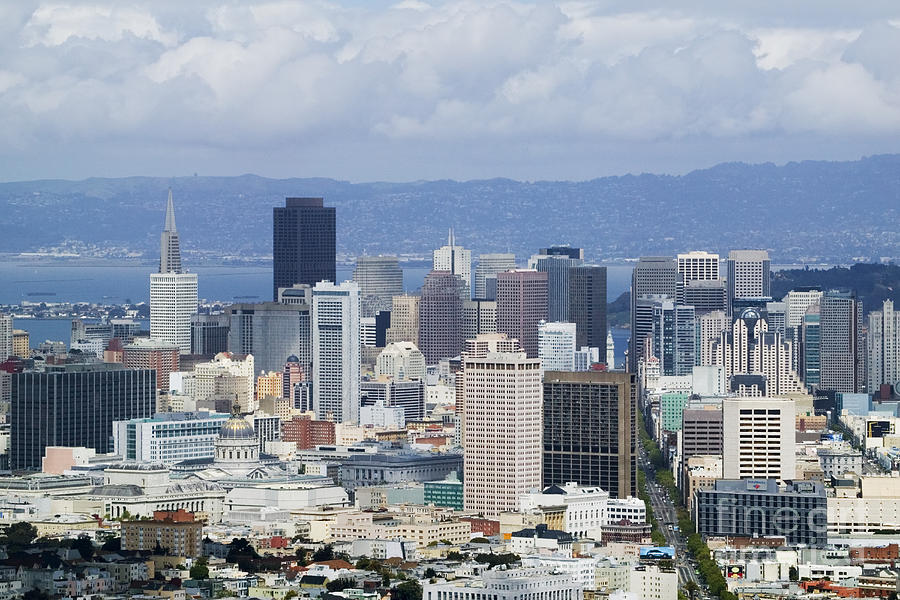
457,260
588,304
556,346
440,316
521,306
761,438
303,243
379,278
842,347
336,351
488,267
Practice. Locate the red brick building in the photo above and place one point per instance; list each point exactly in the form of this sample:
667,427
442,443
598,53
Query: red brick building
307,433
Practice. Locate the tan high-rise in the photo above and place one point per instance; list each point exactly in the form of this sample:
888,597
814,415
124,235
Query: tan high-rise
404,320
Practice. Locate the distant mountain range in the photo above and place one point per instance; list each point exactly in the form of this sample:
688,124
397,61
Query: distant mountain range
821,212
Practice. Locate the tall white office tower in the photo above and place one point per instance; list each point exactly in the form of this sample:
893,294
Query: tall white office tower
610,351
6,337
698,266
336,351
173,293
556,346
380,278
748,275
884,347
842,346
488,266
765,447
503,429
457,260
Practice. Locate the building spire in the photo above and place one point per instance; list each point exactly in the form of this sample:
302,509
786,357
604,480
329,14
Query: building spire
170,214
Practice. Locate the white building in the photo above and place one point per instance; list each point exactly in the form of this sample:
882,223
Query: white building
556,346
367,332
6,337
226,376
173,293
336,351
455,259
585,357
759,441
168,438
709,329
649,582
379,415
698,266
512,584
884,346
503,428
581,570
586,507
488,266
401,360
748,274
797,302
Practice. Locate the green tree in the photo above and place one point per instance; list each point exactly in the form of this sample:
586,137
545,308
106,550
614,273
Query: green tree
35,594
200,569
291,594
408,590
793,574
326,552
430,573
85,547
20,534
341,584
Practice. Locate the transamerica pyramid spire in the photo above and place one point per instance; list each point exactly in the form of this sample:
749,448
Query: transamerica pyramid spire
169,245
170,214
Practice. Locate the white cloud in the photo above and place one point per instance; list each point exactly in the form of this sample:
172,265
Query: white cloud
518,81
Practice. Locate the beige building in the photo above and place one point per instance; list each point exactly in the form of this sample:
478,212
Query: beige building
404,320
176,532
871,505
759,441
21,343
400,360
700,472
226,376
503,425
422,528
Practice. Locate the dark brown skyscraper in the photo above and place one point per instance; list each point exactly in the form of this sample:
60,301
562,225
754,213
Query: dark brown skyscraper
590,430
303,243
587,305
521,305
441,316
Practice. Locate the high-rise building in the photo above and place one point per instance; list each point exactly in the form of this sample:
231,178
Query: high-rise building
380,278
6,337
336,351
457,260
797,301
698,266
674,338
587,304
761,438
404,320
21,343
748,275
209,333
227,380
392,393
709,330
292,375
590,430
810,345
705,295
173,293
74,405
610,351
367,332
401,361
503,430
556,346
488,266
271,332
557,263
842,347
303,243
440,316
521,305
479,316
701,431
163,358
884,347
652,276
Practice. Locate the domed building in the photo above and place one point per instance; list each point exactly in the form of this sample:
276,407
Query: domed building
237,445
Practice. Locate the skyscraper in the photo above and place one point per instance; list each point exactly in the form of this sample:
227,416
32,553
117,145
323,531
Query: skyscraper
404,320
336,351
74,405
842,345
810,358
768,452
173,293
209,334
884,347
479,316
587,304
556,346
488,266
503,430
590,430
521,305
440,316
652,275
674,338
6,337
380,278
303,243
748,275
271,332
457,260
698,266
557,262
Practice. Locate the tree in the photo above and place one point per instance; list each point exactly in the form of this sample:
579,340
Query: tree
793,573
20,534
326,552
430,573
85,547
112,545
35,594
339,585
200,570
291,594
454,555
408,590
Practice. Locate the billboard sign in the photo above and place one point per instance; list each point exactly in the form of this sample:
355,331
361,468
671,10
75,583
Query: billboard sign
657,553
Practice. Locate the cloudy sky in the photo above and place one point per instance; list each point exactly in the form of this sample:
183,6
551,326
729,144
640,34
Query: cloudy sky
368,90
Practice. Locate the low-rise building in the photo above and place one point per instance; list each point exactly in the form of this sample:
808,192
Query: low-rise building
176,532
513,584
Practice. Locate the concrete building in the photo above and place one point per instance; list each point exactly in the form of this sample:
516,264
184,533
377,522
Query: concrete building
837,463
336,351
406,394
404,320
513,584
709,331
176,532
589,425
488,267
588,304
521,306
209,333
883,340
162,357
73,405
303,243
307,432
271,332
21,345
379,278
502,430
652,582
763,508
652,276
364,469
674,338
225,378
705,295
447,492
6,337
763,442
480,316
748,275
167,438
458,261
842,347
556,262
400,360
440,316
701,431
698,266
556,346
